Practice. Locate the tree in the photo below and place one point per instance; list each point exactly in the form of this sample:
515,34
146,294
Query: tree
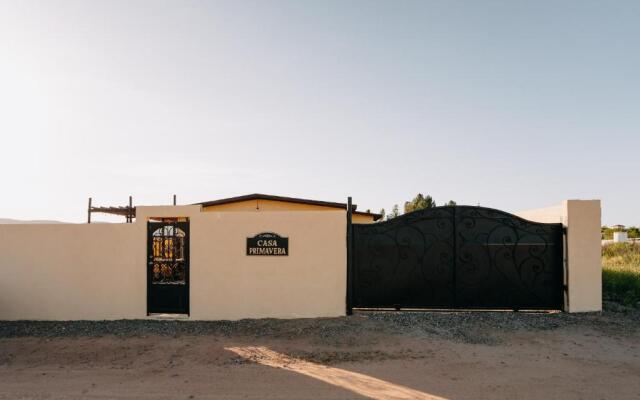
451,203
383,214
395,211
419,202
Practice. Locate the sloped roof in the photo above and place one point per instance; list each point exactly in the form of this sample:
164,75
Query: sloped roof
260,196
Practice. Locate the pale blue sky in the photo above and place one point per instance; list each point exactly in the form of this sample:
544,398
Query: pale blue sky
510,104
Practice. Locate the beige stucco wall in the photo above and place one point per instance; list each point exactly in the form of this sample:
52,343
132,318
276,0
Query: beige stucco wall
69,271
550,215
310,282
361,218
98,271
275,205
582,252
144,213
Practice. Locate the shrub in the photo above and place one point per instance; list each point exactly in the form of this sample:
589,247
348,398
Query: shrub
621,272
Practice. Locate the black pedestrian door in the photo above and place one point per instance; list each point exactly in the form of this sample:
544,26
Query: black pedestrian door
168,267
457,257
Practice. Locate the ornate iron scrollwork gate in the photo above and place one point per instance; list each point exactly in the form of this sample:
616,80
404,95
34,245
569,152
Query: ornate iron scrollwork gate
457,257
168,267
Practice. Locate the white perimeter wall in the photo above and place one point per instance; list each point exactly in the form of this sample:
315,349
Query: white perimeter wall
98,271
582,252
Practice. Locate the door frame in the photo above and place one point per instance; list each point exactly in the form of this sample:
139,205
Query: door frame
152,226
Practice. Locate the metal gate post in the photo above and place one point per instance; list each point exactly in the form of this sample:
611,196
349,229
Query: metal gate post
564,304
455,257
349,257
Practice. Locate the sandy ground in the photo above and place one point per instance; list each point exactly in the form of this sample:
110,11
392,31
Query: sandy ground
367,359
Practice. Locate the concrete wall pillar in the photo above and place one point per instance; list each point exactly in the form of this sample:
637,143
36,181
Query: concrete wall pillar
583,254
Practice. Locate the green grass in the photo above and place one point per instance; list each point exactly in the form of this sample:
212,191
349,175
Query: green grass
621,273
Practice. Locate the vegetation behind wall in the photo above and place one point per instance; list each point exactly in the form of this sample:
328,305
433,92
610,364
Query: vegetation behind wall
621,273
420,202
632,232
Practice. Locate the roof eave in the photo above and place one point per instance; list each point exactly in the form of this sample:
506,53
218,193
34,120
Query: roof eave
260,196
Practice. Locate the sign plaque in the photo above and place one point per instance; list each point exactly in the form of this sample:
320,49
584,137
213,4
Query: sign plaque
267,244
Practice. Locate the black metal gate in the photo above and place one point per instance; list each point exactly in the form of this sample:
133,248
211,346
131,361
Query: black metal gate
168,267
456,257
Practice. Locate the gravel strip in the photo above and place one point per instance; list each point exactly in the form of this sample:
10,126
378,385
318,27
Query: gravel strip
471,327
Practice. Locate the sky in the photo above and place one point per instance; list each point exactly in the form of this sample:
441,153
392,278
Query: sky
508,104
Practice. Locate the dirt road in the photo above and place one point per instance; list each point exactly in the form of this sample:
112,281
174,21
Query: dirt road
397,355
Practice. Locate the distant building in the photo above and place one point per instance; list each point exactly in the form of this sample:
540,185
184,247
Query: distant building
620,237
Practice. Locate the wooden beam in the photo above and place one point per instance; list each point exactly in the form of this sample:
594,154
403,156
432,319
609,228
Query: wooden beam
89,212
